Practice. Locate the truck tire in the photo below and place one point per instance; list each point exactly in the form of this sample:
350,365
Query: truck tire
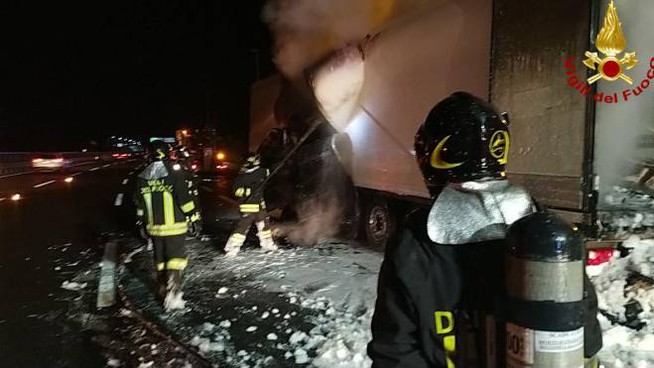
379,223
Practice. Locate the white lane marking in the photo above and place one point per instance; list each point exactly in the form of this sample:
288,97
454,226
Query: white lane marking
44,184
125,181
95,168
107,165
17,174
76,174
119,200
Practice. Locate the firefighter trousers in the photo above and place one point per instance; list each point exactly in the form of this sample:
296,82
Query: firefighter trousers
170,261
260,219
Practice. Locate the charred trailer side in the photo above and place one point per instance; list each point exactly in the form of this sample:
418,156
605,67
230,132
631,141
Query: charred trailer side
574,141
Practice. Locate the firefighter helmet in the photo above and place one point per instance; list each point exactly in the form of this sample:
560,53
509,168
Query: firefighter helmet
252,161
463,139
159,150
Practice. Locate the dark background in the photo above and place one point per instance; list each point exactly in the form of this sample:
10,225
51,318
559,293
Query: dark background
79,71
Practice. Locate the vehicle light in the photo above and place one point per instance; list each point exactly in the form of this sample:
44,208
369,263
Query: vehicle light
194,167
58,160
37,160
220,156
599,256
69,179
16,197
115,155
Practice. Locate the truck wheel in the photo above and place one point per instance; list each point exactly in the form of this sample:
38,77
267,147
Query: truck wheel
379,223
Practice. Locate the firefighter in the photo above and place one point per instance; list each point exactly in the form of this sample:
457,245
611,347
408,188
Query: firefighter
248,188
165,206
182,163
440,289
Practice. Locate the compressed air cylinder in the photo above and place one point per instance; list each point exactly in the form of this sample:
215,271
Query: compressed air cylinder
544,284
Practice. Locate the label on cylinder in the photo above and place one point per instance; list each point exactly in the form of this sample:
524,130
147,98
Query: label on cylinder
559,342
520,343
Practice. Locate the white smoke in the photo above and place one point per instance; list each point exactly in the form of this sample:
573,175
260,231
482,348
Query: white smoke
319,218
619,126
307,30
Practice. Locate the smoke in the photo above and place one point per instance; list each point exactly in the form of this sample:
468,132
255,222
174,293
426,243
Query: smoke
620,125
307,30
327,197
319,218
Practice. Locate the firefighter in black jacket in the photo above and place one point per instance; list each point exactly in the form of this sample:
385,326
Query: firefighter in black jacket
248,187
165,206
182,162
440,287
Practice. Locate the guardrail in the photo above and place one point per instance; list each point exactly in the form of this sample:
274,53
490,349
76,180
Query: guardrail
20,162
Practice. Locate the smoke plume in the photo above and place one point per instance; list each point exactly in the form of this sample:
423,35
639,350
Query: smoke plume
319,218
307,30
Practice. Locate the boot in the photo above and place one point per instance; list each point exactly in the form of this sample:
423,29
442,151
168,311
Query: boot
162,285
265,237
234,244
174,296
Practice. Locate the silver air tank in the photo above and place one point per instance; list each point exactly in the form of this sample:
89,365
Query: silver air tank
544,284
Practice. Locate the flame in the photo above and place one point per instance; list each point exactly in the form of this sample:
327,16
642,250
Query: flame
382,10
610,40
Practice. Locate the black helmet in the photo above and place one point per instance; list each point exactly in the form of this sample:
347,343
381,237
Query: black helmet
464,138
159,150
252,160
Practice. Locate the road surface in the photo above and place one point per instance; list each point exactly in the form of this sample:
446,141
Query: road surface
53,232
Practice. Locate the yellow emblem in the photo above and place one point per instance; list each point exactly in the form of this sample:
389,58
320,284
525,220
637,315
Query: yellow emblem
499,146
436,160
611,42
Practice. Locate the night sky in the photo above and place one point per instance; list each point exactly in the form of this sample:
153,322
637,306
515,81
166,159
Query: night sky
77,71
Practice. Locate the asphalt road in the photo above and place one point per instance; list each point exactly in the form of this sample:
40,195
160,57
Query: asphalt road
47,236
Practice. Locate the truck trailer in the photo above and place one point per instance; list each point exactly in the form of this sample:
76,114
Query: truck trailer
575,137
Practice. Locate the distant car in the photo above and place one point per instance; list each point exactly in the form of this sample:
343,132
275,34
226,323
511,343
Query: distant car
50,161
121,156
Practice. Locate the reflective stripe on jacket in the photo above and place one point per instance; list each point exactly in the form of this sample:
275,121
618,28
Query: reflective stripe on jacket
163,200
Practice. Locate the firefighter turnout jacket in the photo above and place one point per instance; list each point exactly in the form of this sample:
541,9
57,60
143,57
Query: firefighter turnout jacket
432,299
247,187
163,200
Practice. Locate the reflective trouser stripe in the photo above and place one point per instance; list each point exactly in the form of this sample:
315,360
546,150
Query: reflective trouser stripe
250,208
167,230
239,192
591,362
161,266
177,264
169,209
188,207
148,205
248,191
237,236
140,213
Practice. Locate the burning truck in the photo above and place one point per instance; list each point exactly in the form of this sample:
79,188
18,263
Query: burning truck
340,136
